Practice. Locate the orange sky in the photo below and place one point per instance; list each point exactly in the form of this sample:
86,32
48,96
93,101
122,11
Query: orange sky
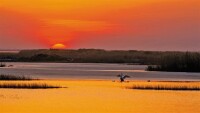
106,24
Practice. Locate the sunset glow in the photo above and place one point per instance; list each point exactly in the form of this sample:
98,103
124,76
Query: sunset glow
99,56
58,46
106,24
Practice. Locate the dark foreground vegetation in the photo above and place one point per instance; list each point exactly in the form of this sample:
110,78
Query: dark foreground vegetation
185,62
14,77
27,86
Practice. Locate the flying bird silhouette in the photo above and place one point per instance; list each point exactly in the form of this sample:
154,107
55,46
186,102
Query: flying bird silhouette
123,77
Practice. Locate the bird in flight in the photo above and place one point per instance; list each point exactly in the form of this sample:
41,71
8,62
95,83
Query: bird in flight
123,77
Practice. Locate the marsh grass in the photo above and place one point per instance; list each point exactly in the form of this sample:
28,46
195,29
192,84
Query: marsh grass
28,86
195,86
158,87
15,77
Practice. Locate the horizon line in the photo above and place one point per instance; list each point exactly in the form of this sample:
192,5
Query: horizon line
4,50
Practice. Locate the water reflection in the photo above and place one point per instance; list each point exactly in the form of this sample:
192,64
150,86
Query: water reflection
93,71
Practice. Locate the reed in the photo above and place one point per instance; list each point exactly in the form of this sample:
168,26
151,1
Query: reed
167,86
14,77
27,86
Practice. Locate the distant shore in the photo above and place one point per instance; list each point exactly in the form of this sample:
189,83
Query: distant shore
156,60
87,56
9,51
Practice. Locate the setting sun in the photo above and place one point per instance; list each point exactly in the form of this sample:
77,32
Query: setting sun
58,46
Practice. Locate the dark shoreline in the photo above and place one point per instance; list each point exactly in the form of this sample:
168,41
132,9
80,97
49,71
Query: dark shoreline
169,61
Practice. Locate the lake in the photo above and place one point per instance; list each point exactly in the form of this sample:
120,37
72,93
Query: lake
93,71
91,89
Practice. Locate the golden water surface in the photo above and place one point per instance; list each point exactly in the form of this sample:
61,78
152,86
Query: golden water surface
86,96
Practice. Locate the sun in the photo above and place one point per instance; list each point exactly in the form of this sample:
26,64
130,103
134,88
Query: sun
58,46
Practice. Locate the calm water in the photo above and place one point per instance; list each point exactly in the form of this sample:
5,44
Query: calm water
92,71
97,97
85,96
